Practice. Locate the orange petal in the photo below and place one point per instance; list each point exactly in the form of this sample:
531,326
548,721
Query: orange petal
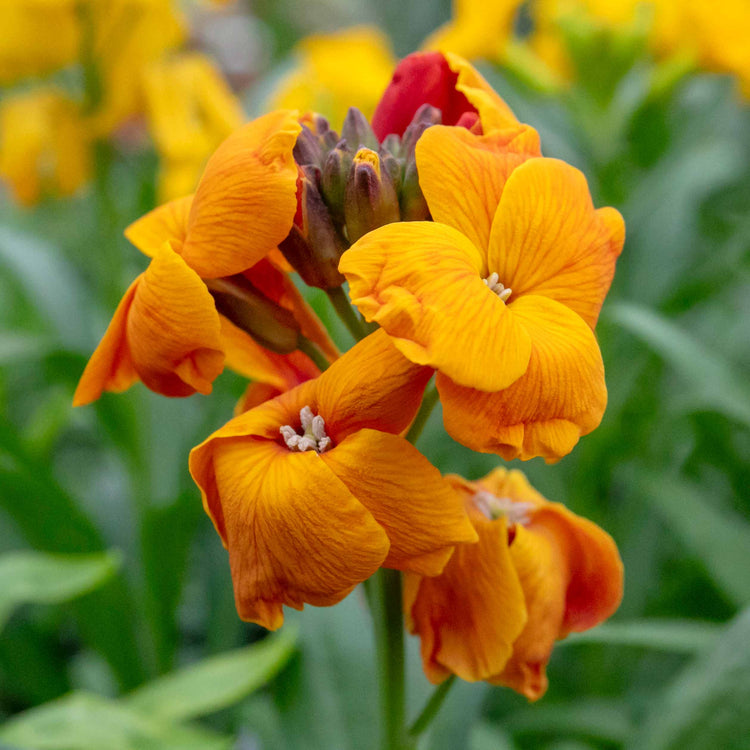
494,113
165,223
462,175
422,282
372,385
571,575
469,616
421,514
295,534
548,239
111,366
246,199
561,397
173,329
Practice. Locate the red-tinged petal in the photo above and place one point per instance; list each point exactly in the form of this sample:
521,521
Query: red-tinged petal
421,78
421,514
246,200
173,329
111,366
469,616
462,175
165,223
295,534
372,385
548,239
248,358
422,282
561,396
494,113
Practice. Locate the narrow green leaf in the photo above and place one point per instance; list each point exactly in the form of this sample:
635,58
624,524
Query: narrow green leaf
679,636
217,682
713,382
39,578
81,721
718,538
708,704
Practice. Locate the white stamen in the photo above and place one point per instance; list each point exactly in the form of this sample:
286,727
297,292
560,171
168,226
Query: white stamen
493,282
494,507
313,436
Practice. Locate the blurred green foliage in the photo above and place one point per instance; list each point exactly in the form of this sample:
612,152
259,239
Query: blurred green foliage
97,656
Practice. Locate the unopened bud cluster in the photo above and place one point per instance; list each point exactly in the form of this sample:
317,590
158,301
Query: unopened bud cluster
350,184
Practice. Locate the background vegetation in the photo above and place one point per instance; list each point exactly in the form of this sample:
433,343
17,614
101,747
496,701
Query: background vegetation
117,616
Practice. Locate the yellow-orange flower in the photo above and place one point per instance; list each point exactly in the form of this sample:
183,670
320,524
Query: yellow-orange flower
537,573
500,293
190,110
306,517
349,68
44,144
167,330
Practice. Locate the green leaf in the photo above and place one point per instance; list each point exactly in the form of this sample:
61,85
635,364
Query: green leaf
595,718
39,578
217,682
81,721
712,381
708,704
718,538
679,636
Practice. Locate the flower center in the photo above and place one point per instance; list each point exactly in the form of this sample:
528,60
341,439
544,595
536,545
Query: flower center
494,507
493,283
313,437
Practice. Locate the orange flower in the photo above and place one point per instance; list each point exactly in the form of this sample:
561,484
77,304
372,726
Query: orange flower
538,573
500,293
446,81
306,517
180,324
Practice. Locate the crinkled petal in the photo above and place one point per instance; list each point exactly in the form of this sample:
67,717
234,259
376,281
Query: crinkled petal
245,202
421,514
173,329
295,534
548,239
494,113
561,397
372,385
462,175
468,617
111,366
422,282
165,223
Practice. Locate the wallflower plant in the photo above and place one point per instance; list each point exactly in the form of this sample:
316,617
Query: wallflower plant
470,257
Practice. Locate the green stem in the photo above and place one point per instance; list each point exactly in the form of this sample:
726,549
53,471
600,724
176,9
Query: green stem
433,705
389,636
345,311
313,351
428,404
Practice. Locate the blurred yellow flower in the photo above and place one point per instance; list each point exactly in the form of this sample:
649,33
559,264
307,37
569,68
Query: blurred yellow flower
44,144
477,29
350,68
37,37
190,110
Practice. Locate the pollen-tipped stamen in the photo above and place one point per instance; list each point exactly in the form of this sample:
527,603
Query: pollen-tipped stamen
313,436
495,507
493,282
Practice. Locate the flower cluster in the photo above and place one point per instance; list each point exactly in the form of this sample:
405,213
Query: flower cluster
471,258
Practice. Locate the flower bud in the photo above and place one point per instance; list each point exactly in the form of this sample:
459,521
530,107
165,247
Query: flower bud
269,324
413,203
424,117
307,148
357,131
370,199
314,249
333,179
